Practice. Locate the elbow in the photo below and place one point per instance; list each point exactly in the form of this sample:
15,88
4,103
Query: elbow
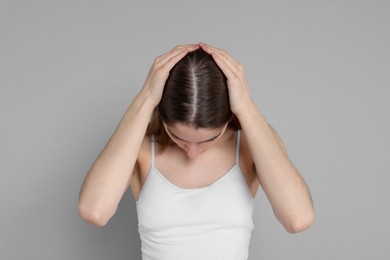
298,227
93,215
300,223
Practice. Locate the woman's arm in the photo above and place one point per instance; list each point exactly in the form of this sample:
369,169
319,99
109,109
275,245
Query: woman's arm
111,173
284,186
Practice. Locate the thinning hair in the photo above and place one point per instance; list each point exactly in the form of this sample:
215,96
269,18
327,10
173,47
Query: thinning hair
195,94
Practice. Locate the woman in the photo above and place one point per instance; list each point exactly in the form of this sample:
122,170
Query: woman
194,149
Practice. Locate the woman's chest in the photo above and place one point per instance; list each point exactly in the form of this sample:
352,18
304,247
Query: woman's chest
218,202
192,174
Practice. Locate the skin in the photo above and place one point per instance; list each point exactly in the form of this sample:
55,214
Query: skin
125,161
194,141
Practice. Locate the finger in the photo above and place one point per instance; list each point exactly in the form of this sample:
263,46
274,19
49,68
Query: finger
210,49
222,53
172,60
175,55
166,56
225,66
230,67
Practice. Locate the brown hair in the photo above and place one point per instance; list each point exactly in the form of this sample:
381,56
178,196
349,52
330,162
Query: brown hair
195,94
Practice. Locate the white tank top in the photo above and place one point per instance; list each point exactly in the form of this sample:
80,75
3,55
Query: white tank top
210,223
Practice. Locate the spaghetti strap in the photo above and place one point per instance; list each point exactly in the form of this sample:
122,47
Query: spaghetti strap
152,152
238,147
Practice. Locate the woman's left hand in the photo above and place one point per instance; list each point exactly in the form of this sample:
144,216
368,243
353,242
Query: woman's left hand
236,80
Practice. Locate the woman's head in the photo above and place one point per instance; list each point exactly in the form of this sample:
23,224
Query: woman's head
195,95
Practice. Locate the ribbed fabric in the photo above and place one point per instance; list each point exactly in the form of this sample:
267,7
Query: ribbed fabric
210,223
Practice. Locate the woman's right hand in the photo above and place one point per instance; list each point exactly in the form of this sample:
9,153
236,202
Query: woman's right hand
159,72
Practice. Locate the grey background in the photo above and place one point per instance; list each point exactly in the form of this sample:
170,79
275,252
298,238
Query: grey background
319,71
